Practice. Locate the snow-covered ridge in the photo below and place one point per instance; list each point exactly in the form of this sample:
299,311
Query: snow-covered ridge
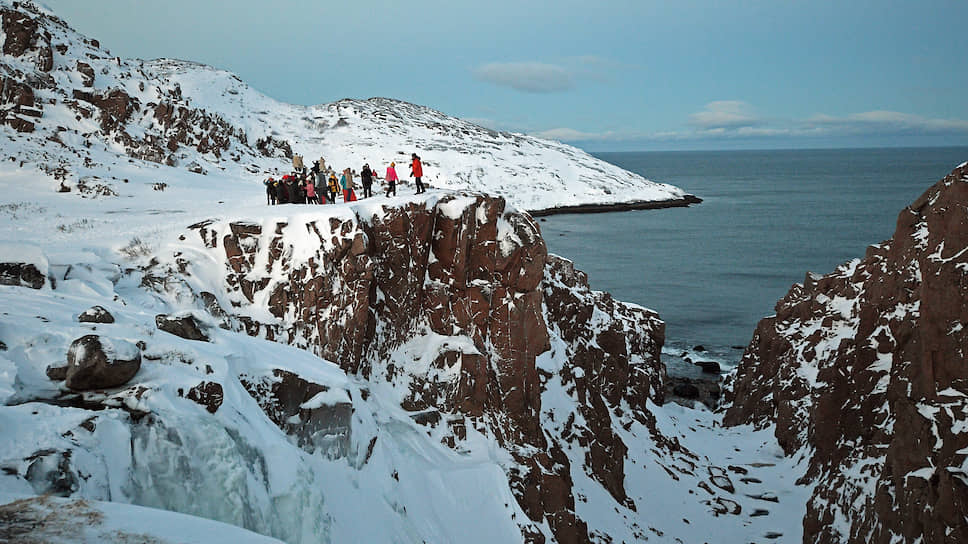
88,101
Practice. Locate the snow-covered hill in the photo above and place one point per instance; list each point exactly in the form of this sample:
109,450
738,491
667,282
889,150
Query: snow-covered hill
78,108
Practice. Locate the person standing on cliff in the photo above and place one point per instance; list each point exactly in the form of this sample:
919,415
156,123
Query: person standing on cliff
270,190
366,176
347,182
391,179
416,171
332,188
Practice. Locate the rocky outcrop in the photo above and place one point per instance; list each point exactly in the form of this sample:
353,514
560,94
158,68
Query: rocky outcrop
22,274
316,415
94,362
25,37
865,370
95,314
17,105
184,326
613,351
472,285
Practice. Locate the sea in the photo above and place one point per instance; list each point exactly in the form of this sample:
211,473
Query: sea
714,269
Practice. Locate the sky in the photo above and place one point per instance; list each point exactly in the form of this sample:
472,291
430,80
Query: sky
609,75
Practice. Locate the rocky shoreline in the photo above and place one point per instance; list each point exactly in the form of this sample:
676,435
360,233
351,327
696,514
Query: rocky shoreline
619,207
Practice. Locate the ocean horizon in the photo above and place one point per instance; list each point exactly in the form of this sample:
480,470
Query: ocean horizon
768,217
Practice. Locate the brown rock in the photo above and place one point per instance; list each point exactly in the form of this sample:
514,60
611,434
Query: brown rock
185,326
97,363
208,394
87,73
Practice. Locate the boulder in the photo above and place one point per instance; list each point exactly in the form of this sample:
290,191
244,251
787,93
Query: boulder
94,362
686,390
95,314
185,326
711,367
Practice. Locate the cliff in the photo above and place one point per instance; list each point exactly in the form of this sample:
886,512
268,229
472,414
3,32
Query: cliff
863,371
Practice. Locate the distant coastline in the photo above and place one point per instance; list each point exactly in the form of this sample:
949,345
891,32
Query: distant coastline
618,206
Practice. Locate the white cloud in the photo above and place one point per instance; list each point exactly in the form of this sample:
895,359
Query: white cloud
532,77
725,114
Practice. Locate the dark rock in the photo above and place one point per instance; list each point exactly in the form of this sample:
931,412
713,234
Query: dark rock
705,391
87,73
21,274
57,373
98,363
185,326
700,348
686,391
96,314
711,367
208,394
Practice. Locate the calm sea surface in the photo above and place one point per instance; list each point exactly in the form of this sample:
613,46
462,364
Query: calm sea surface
713,270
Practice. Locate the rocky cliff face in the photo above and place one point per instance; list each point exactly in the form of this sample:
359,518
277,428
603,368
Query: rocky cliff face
864,370
447,305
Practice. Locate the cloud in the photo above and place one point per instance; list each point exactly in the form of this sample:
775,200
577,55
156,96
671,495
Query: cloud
530,77
725,114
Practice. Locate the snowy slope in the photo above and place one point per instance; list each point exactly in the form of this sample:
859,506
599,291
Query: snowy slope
194,116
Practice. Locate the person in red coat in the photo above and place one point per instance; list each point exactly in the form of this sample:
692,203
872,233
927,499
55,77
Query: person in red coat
416,170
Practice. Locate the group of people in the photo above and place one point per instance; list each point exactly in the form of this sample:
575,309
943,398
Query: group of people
306,186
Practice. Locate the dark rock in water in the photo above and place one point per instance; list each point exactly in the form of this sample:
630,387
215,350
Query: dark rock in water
96,314
865,367
98,363
57,373
700,348
185,327
3,347
21,274
685,390
711,367
738,347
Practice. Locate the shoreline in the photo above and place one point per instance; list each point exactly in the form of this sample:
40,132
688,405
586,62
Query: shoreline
618,206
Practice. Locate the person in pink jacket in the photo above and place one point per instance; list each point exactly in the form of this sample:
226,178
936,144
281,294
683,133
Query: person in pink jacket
391,179
311,192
